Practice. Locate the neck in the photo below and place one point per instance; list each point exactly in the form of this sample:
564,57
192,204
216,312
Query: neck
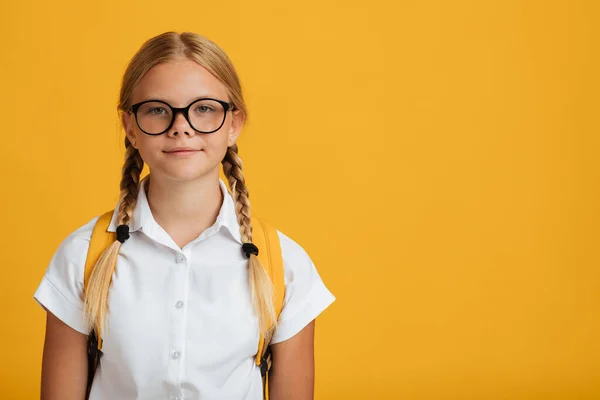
184,208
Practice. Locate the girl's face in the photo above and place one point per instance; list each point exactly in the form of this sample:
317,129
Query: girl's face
179,83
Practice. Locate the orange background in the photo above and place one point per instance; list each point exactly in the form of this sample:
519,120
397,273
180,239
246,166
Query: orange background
437,159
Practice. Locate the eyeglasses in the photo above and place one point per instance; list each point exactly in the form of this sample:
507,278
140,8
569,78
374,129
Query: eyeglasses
205,115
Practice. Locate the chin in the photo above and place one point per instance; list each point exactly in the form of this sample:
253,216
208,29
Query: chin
188,173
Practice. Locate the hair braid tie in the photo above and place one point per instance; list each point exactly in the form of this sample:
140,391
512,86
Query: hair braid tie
250,248
122,233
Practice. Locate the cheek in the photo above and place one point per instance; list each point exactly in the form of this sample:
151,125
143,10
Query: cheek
217,145
149,148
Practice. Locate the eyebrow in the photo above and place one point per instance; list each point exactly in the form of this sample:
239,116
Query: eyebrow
211,95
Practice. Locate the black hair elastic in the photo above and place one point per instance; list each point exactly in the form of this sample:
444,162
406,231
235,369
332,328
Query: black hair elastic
122,233
250,248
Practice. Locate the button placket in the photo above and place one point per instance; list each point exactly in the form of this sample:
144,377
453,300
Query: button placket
177,323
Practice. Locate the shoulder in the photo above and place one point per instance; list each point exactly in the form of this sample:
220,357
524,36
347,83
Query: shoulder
66,268
300,271
77,242
291,250
306,295
61,289
293,254
68,261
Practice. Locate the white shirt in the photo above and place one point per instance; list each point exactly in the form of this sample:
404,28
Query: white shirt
180,323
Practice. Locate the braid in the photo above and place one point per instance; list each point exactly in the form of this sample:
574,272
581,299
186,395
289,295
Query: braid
260,283
130,181
96,294
232,167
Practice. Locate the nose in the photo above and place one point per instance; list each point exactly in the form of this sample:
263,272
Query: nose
180,125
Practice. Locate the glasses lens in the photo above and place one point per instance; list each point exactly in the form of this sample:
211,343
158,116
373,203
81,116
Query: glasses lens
154,117
206,115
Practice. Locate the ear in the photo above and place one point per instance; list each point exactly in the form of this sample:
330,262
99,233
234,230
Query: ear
237,121
128,121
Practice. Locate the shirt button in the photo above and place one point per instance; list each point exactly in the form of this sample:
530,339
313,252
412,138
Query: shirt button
176,355
180,258
179,304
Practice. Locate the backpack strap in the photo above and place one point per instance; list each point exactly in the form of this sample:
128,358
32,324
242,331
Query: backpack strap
265,237
99,241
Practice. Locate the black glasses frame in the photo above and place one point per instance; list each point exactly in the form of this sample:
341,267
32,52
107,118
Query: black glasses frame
184,110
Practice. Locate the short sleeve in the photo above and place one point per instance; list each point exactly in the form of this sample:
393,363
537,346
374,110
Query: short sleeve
61,288
306,296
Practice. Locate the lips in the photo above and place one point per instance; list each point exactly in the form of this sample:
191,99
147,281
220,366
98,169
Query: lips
181,150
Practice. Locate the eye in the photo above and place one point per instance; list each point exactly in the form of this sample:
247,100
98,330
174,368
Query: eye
203,108
156,111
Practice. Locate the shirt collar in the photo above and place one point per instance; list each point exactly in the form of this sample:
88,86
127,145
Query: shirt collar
142,215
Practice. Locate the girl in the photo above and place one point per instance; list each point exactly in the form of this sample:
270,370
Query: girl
186,306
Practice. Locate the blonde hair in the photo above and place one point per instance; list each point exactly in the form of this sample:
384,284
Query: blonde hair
161,49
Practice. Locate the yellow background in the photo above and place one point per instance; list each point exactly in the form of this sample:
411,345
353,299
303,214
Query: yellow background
437,159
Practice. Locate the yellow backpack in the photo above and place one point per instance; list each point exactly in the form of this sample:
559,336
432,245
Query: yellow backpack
264,236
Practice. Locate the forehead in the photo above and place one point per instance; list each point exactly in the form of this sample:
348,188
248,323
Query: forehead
178,82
